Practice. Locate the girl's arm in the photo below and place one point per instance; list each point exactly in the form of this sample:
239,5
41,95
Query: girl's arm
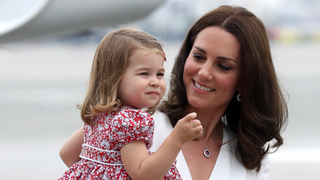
140,165
71,149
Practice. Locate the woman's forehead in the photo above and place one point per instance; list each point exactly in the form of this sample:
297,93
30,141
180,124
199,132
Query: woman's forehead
215,40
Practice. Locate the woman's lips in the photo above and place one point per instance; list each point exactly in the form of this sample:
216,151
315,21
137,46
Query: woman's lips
203,88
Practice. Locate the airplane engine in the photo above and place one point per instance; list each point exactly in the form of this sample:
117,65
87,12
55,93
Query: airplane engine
22,20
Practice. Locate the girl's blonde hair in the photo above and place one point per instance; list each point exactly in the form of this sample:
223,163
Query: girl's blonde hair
109,64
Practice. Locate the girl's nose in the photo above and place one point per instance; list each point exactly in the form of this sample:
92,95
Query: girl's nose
154,82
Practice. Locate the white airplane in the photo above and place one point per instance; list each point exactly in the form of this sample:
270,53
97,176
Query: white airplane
27,19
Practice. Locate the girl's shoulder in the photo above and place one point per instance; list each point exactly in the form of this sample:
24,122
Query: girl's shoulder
131,124
127,113
132,115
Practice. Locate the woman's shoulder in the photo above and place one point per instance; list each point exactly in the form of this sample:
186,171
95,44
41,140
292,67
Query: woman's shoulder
227,166
228,161
160,115
162,128
162,121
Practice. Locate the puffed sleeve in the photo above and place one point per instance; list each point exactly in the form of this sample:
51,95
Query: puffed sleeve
264,173
131,125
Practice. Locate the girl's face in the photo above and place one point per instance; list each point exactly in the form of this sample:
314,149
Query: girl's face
142,84
212,69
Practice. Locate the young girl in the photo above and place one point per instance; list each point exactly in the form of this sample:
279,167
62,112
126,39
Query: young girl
127,76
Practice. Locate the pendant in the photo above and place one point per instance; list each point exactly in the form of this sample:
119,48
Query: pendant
206,153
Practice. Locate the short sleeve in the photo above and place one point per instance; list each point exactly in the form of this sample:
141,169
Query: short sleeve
131,125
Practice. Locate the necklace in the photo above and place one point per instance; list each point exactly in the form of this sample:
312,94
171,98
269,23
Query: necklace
206,151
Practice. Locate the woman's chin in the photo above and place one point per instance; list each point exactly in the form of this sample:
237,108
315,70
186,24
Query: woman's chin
196,103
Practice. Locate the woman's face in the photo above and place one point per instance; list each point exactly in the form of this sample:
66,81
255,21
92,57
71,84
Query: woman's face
212,69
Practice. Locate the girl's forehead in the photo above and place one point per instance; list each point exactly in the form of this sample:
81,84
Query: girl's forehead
144,52
146,56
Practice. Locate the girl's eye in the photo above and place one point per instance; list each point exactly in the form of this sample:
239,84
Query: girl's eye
144,74
198,56
160,74
224,68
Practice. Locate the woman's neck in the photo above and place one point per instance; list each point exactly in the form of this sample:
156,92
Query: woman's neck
210,121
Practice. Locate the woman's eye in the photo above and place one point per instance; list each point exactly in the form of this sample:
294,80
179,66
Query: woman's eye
223,67
198,56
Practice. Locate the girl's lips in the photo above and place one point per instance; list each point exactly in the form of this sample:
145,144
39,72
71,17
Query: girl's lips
153,93
203,88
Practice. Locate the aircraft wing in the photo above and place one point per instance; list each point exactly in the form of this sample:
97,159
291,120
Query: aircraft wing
21,20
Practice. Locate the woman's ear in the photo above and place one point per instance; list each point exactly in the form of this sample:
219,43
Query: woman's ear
239,95
239,88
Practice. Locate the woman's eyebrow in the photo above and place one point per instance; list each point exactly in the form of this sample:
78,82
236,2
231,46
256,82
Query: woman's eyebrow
226,58
200,49
218,57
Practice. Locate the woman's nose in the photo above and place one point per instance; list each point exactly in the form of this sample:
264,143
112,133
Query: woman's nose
206,72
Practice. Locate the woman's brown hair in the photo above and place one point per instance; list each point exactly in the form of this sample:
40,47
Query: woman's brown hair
262,114
109,64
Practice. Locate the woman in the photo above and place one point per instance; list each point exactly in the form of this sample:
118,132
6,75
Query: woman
224,73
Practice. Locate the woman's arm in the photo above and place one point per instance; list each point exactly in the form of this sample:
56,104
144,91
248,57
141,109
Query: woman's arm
140,165
71,149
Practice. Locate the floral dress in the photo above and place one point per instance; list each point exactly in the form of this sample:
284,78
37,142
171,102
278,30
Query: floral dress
100,153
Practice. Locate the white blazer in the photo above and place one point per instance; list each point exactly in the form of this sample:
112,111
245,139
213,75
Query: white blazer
227,166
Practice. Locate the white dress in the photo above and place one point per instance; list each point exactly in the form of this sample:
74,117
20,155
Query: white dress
227,166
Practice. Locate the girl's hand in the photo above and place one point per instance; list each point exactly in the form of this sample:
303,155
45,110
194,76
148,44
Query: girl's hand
140,165
187,129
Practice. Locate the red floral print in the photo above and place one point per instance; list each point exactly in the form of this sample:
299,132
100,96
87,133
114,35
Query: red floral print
100,153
